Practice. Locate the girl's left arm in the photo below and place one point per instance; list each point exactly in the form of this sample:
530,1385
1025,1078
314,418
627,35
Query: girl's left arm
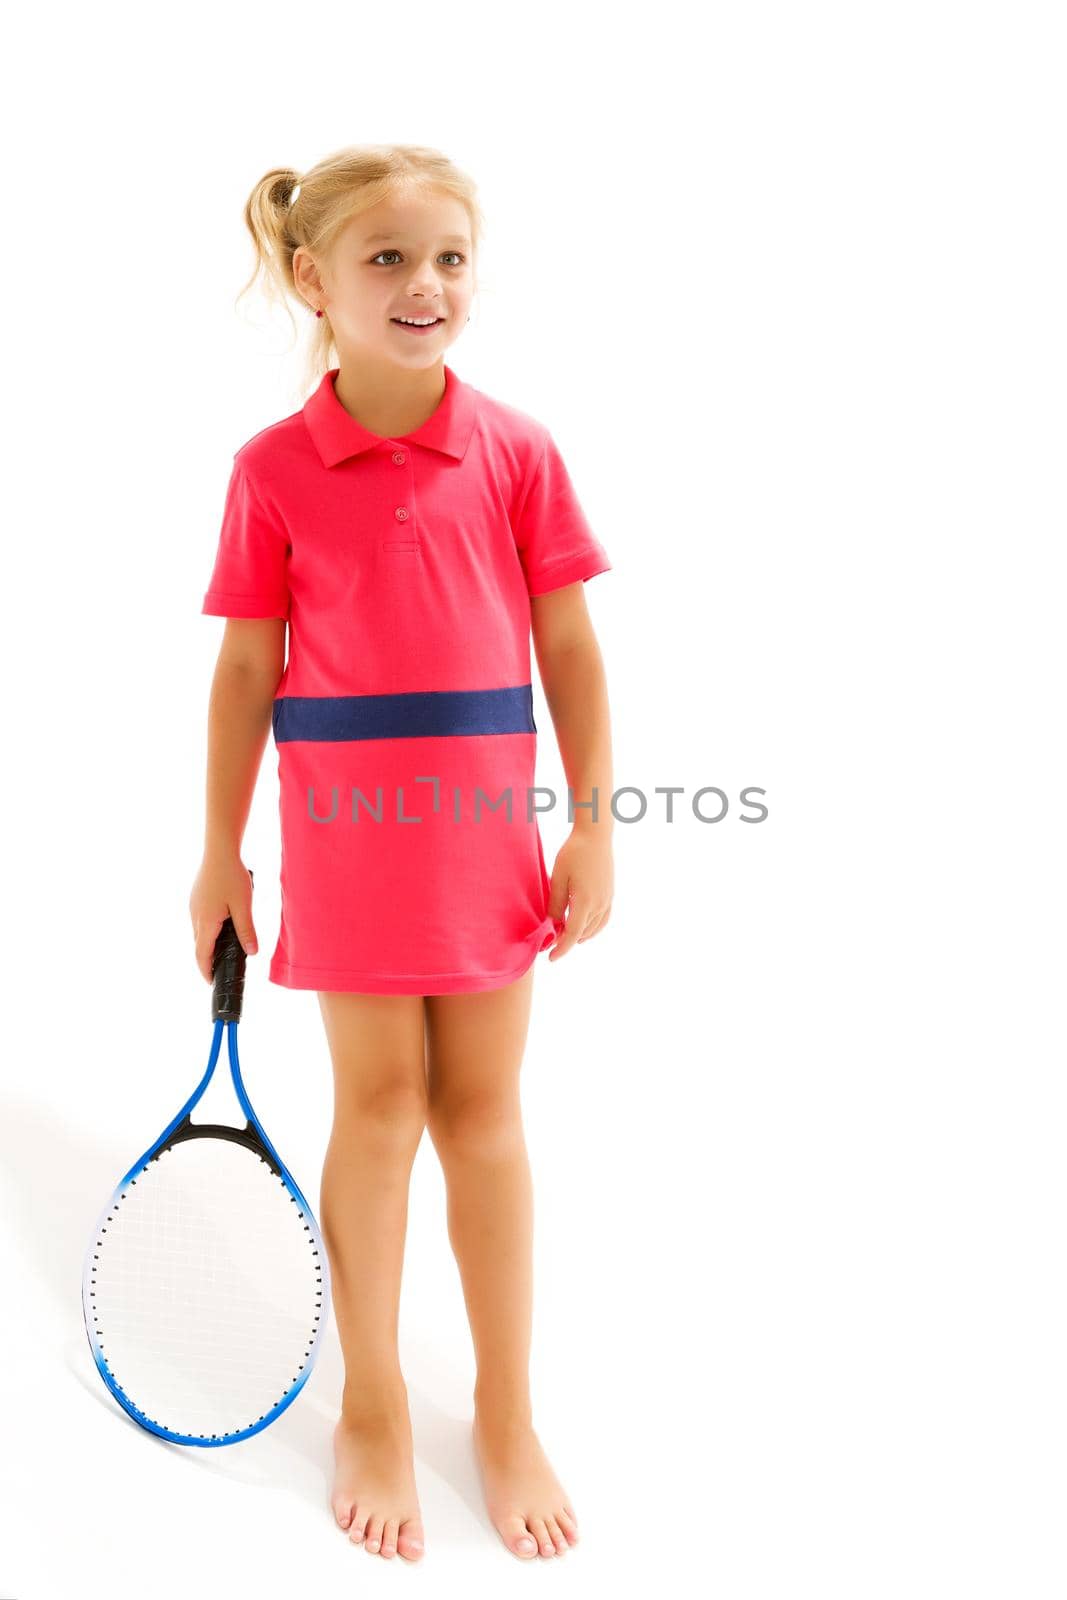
575,685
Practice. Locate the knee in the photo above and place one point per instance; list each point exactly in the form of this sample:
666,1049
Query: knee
389,1108
476,1125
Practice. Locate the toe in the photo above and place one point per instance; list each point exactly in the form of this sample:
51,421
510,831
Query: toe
342,1510
540,1532
568,1524
357,1526
409,1539
389,1533
373,1539
517,1537
556,1535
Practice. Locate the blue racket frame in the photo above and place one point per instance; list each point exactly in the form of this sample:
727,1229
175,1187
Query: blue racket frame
255,1138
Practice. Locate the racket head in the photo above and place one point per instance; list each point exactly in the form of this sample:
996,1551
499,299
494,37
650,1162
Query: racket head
205,1285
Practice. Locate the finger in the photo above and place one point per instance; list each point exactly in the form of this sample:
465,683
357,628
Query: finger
244,929
600,923
575,922
590,928
559,893
206,935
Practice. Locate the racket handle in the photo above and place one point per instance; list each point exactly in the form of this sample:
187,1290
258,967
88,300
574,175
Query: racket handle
228,973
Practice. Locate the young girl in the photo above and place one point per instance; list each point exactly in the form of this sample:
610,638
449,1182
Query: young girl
411,531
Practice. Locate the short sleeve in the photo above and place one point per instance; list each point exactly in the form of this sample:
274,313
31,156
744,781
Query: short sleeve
251,564
555,542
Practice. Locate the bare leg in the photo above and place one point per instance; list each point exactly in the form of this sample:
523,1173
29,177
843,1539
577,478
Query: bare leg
475,1044
377,1045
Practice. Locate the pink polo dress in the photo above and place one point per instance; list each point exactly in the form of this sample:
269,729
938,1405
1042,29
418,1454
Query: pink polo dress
411,858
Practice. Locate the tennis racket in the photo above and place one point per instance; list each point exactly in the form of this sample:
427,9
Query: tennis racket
206,1287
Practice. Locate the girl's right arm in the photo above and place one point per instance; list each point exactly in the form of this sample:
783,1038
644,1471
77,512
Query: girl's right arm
249,669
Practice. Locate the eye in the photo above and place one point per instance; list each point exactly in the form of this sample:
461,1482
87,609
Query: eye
459,258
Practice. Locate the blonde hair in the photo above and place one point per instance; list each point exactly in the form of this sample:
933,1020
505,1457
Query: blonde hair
286,209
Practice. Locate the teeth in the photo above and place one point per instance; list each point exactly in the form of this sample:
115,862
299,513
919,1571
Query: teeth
417,322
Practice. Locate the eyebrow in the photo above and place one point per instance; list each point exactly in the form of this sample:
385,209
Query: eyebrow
452,238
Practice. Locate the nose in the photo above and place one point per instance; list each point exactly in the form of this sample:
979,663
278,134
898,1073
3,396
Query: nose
424,280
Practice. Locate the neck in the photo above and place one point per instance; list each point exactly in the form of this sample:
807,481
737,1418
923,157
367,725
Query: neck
386,400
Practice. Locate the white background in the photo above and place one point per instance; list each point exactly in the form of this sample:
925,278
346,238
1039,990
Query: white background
787,284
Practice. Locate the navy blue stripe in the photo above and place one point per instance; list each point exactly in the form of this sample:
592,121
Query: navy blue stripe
403,716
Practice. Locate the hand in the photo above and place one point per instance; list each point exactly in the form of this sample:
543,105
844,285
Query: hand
583,875
222,889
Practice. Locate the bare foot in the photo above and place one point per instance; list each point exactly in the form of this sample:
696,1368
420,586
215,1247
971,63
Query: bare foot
529,1507
374,1498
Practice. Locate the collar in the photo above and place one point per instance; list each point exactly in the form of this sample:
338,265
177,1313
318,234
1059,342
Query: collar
337,436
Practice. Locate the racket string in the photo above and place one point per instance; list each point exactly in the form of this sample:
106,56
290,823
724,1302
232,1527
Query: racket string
207,1289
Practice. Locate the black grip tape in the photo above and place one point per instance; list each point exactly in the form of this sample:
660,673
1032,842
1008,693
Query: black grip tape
228,973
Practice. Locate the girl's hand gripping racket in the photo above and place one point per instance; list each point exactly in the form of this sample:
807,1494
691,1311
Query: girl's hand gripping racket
206,1287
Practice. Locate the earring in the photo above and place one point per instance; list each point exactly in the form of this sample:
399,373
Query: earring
318,313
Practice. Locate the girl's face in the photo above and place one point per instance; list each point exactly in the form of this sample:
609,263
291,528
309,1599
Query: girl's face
408,257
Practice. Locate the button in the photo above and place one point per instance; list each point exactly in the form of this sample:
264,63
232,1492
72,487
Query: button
402,513
399,458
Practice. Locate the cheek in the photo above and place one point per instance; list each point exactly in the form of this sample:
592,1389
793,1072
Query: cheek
367,308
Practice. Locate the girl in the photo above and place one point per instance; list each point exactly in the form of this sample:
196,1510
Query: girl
410,531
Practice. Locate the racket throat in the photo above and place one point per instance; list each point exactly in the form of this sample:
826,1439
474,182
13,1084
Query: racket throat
247,1136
